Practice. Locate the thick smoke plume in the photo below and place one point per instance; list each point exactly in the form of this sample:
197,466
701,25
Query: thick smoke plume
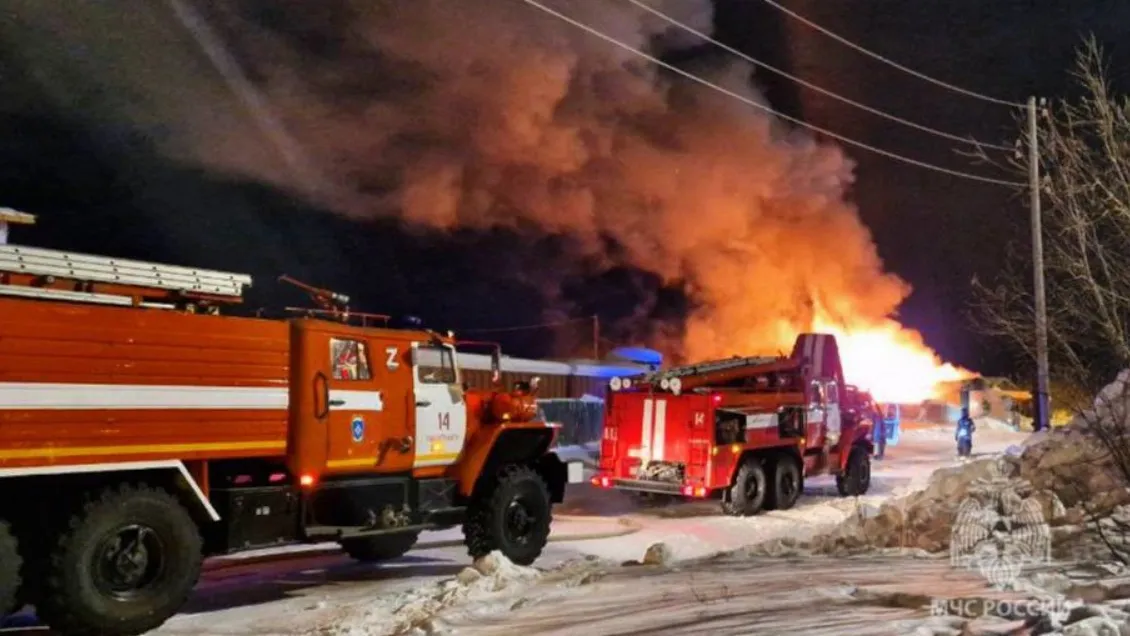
483,114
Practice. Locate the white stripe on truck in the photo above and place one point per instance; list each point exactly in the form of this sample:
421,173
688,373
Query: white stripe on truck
36,396
47,396
645,438
660,429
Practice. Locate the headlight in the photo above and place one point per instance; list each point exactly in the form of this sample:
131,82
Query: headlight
665,383
627,384
615,384
676,384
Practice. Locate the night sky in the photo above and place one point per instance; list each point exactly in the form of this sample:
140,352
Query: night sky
104,182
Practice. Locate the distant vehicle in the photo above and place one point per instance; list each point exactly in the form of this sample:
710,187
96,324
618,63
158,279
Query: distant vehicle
744,430
885,419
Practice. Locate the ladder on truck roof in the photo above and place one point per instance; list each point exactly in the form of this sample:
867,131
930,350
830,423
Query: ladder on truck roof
708,367
32,272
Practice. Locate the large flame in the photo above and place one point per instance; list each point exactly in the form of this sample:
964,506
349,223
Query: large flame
891,362
490,114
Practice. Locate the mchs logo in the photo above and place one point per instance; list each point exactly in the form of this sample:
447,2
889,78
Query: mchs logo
1000,529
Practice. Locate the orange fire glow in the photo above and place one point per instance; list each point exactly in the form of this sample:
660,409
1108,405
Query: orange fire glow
505,118
891,362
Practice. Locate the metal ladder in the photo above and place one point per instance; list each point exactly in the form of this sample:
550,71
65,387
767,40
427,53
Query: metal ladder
170,280
708,367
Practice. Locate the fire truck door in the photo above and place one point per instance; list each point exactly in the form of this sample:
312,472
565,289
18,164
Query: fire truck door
832,411
815,428
357,418
441,413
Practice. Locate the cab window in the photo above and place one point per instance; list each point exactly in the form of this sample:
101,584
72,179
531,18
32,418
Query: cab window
816,395
444,372
833,394
350,359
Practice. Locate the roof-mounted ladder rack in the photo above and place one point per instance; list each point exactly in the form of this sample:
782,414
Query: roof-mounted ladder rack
41,273
708,367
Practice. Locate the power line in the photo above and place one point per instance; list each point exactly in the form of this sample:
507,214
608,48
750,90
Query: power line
542,325
905,69
875,111
742,98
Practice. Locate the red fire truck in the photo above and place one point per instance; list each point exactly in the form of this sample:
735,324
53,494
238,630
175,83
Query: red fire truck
744,430
142,430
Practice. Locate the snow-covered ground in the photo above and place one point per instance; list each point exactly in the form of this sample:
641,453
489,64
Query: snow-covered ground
581,584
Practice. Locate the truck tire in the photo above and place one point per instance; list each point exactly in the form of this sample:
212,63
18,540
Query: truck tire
785,485
123,564
512,516
856,479
747,496
380,548
10,565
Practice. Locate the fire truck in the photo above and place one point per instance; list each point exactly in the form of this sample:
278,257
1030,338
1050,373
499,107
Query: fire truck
746,430
142,429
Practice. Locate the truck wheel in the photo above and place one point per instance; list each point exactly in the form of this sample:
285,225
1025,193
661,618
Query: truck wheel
124,563
10,564
785,486
747,496
380,548
512,517
856,480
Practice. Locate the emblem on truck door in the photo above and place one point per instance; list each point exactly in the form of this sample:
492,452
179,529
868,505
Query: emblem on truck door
358,427
391,362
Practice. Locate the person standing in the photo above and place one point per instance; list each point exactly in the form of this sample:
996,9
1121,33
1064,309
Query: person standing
964,434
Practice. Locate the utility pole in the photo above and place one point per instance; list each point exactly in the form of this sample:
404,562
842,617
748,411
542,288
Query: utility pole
595,337
1042,402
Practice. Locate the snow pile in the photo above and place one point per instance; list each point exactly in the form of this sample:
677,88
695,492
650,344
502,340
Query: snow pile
414,611
1110,408
1086,600
1067,471
993,424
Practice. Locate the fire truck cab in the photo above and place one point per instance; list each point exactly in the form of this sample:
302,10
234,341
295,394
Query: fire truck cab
746,431
142,430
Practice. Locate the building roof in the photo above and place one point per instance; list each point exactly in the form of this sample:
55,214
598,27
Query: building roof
8,215
589,369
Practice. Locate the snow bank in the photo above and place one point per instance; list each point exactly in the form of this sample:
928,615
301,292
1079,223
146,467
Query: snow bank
412,612
1067,472
493,585
1110,407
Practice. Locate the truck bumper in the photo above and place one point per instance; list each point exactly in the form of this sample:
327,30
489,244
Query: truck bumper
655,487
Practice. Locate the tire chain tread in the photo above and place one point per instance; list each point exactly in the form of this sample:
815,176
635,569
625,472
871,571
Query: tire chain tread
476,528
61,617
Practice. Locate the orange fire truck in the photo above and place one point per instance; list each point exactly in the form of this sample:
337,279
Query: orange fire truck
744,430
140,431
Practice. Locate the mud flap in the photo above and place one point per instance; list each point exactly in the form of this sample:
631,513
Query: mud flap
556,474
576,472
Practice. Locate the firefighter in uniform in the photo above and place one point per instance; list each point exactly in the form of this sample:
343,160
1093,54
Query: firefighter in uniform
964,434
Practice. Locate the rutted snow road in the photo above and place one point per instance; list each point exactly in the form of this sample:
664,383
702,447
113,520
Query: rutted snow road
316,591
324,592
